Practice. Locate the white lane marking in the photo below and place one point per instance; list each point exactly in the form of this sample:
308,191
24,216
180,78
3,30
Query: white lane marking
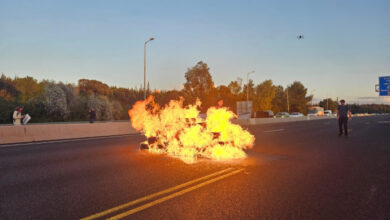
276,130
372,193
66,140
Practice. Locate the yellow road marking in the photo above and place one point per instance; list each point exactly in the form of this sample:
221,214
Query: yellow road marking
173,195
117,208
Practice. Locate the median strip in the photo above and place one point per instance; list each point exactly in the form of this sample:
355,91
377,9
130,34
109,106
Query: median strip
173,195
276,130
151,196
66,140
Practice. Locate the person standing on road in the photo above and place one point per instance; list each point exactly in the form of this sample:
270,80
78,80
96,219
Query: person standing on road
343,113
92,115
17,116
220,103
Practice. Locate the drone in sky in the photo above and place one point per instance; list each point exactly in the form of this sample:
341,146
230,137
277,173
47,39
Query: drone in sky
300,37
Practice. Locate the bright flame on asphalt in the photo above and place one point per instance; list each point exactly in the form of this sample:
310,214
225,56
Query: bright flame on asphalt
179,131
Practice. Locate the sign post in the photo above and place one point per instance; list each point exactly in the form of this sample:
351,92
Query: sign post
244,109
384,86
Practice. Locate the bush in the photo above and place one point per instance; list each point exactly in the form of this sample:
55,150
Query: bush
101,105
6,111
55,102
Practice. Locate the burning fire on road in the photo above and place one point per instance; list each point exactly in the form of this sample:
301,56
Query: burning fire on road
179,131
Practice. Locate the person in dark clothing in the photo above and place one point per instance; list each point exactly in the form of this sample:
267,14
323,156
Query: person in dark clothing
343,113
92,115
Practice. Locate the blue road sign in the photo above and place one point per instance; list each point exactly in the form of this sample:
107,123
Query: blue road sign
384,86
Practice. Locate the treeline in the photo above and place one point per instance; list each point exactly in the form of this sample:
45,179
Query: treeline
355,108
49,101
369,108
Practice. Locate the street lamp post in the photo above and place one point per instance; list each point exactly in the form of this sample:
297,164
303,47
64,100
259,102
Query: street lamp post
247,85
145,65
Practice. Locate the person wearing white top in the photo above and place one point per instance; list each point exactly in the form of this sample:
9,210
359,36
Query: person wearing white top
17,116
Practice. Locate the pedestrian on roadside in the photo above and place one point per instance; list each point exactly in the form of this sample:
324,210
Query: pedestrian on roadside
220,103
343,114
92,115
17,116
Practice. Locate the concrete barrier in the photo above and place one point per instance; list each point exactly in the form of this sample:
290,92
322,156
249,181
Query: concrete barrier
47,132
256,121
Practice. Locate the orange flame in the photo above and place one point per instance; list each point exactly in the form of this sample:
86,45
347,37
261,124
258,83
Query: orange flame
180,131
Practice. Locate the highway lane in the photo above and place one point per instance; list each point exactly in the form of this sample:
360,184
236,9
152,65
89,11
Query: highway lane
296,170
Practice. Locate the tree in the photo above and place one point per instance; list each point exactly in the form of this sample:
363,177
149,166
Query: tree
69,91
229,99
28,87
126,97
199,85
55,101
297,97
163,97
369,108
116,110
329,104
251,90
265,93
101,105
49,101
8,90
93,87
198,81
6,109
279,103
37,109
209,99
79,109
235,87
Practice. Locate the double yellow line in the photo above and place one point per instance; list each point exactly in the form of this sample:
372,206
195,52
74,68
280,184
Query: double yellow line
215,177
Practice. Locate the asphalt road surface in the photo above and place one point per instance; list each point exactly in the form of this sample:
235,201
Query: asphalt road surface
299,170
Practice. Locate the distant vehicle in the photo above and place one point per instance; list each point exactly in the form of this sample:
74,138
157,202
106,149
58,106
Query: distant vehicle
315,111
244,115
328,113
264,114
282,115
296,115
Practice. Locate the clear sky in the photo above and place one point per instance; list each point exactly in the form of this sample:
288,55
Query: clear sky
345,49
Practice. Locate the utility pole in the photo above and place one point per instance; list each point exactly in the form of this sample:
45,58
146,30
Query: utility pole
312,96
145,65
327,103
247,91
288,104
247,85
148,89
